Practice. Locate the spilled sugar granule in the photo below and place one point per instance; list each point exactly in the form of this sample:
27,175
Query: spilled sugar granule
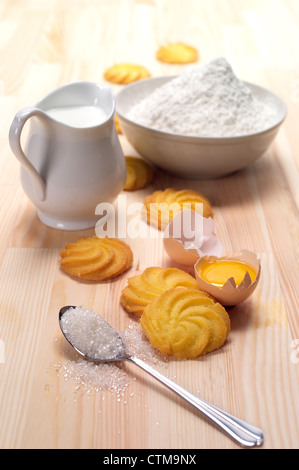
137,344
95,376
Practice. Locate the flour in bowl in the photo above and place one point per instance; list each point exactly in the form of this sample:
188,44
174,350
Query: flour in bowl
205,101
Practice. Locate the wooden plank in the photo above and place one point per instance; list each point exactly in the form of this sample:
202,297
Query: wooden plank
26,283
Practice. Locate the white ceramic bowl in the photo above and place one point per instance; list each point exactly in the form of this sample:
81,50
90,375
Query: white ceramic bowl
194,157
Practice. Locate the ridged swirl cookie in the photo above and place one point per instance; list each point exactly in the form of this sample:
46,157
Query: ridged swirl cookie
96,259
145,287
185,323
139,174
163,205
177,53
126,73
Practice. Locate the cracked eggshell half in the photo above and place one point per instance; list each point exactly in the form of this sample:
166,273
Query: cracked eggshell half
189,236
230,294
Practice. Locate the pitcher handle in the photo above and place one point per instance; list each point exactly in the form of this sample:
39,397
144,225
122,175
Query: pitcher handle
15,143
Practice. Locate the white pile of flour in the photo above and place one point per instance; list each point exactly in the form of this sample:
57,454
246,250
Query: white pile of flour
206,101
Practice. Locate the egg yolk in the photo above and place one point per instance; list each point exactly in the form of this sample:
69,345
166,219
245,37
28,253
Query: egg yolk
219,271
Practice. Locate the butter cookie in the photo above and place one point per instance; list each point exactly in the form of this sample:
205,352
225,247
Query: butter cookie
163,205
177,53
117,125
96,259
126,73
145,287
139,173
185,323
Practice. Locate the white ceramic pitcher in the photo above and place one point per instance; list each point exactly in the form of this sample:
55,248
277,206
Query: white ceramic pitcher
72,159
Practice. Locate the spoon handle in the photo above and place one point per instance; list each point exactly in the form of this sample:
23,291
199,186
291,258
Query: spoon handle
245,434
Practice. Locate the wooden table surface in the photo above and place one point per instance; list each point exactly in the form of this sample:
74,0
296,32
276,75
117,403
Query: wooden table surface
255,375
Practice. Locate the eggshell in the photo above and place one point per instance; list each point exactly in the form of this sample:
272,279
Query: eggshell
189,236
230,294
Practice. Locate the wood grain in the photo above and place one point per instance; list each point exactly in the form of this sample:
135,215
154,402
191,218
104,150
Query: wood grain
255,375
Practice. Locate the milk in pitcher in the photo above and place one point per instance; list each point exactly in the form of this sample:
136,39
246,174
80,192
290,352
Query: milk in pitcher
78,116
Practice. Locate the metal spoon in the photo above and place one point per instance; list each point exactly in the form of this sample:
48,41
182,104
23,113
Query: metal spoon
245,434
